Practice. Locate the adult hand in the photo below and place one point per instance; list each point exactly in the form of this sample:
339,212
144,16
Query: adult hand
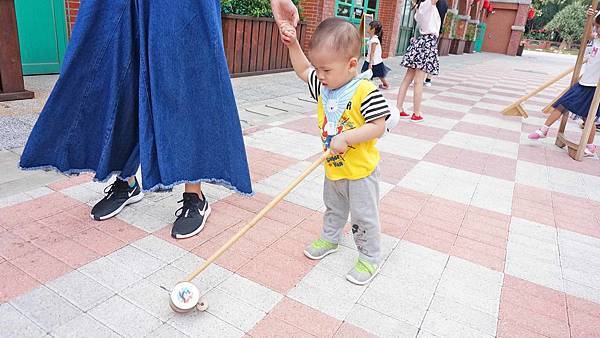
285,11
591,11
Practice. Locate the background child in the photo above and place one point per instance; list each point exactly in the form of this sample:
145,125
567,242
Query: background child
374,60
578,99
351,116
421,57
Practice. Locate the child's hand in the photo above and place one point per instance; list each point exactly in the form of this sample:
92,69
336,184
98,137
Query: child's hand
288,33
339,144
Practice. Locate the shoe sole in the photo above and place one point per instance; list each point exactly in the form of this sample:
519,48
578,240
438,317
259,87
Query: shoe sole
354,281
131,200
308,255
416,121
197,231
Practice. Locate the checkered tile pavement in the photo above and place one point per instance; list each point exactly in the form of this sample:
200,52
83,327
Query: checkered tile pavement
485,234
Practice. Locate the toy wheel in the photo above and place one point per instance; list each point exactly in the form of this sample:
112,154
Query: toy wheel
202,305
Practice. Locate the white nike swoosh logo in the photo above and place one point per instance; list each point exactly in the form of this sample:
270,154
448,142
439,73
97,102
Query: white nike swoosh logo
203,211
131,193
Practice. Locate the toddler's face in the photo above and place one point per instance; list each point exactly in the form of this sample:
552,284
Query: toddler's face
333,70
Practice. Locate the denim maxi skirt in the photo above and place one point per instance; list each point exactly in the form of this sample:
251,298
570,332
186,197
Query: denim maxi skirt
144,83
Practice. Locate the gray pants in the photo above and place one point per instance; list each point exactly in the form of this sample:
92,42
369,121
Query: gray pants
360,198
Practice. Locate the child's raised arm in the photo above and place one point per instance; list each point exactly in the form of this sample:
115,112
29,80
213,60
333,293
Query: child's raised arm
299,60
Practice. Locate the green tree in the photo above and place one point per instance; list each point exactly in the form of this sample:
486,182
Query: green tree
569,23
258,8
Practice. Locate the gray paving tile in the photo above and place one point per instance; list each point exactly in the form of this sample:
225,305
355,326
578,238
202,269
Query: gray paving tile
150,297
250,292
13,324
379,323
203,324
111,274
159,248
167,331
46,308
83,326
137,260
241,315
81,290
125,318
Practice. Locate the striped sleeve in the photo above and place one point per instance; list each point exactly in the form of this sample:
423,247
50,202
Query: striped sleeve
314,85
374,106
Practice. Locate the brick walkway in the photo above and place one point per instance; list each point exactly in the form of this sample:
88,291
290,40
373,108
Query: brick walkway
485,232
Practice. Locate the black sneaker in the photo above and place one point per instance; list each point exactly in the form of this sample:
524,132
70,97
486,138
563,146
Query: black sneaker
118,195
427,83
191,217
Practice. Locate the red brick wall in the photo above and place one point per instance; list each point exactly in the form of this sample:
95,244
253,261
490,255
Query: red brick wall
315,11
72,8
390,12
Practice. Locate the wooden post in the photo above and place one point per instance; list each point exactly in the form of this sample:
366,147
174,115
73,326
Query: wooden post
577,153
560,138
11,73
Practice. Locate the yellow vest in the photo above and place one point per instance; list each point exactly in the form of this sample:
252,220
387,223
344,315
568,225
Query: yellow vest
360,160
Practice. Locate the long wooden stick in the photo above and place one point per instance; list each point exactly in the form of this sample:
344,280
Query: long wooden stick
259,216
538,89
587,31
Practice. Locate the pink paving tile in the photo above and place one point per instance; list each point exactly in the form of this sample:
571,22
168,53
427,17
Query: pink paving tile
393,225
501,220
350,331
305,318
312,225
436,243
255,129
13,216
32,231
41,266
440,222
294,248
483,111
264,164
506,102
479,257
71,182
307,125
275,270
478,246
481,232
419,131
121,230
14,282
532,193
233,259
457,100
533,302
507,171
511,329
447,113
533,289
584,324
394,168
532,320
98,241
67,224
579,305
444,209
13,246
272,327
50,204
66,250
464,91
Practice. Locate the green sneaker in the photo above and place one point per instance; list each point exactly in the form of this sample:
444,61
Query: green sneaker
362,273
319,249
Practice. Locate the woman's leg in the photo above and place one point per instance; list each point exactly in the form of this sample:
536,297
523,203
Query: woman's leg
408,78
418,91
194,188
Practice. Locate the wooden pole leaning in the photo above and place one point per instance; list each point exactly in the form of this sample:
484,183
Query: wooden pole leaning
515,108
561,140
259,216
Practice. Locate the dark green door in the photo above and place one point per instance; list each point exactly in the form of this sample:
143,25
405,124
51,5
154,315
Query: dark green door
407,28
42,35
